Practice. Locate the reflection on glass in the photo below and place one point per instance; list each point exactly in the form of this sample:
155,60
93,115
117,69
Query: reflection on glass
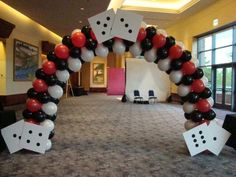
207,73
228,96
224,38
205,58
228,86
223,55
219,82
205,43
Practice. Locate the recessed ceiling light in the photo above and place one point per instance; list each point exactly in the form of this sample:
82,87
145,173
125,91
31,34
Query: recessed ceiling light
80,21
81,8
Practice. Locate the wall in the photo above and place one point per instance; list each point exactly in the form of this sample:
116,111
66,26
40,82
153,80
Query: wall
26,30
2,69
201,22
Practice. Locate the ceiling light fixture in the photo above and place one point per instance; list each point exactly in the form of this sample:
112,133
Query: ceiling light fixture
80,21
81,8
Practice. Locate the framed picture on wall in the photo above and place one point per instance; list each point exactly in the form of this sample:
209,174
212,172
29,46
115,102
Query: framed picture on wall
98,73
25,62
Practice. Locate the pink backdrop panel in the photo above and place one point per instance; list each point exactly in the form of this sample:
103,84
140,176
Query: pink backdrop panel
115,81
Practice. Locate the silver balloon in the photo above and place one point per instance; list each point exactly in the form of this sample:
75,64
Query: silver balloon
55,91
63,75
150,55
49,108
48,124
176,76
135,49
118,47
87,55
189,107
161,31
211,101
183,90
189,124
164,65
75,31
204,80
74,64
48,145
101,51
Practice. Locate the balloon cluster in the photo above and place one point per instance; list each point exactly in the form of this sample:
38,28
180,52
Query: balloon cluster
81,46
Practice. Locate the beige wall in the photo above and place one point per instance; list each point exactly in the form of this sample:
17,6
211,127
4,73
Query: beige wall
201,22
28,31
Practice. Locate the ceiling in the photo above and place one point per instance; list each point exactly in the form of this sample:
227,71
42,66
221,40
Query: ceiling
62,16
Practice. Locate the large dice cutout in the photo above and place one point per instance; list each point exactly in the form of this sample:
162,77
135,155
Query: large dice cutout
12,135
217,137
126,25
196,139
34,137
101,25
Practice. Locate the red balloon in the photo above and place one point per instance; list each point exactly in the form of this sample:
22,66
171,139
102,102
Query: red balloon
158,40
78,39
49,67
175,52
92,35
188,68
198,86
33,105
141,34
203,105
40,85
61,51
32,121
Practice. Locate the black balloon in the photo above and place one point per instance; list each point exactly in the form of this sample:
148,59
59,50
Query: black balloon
40,74
196,116
168,71
51,56
61,64
156,61
151,31
27,114
178,83
184,98
187,116
210,115
109,43
51,80
127,44
170,41
186,56
193,97
91,44
176,64
39,116
146,44
43,97
54,100
67,41
31,93
52,118
198,73
86,30
75,52
51,135
162,53
187,80
206,93
61,84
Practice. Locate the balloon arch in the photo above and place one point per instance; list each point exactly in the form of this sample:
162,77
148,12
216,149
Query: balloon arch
81,46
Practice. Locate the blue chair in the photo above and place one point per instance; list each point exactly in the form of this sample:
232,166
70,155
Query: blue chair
151,96
137,96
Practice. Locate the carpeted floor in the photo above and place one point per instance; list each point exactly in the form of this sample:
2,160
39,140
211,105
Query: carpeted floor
97,135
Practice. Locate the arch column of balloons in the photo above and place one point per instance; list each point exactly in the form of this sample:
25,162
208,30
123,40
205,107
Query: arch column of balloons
81,46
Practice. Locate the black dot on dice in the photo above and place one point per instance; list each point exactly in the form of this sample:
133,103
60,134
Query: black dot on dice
202,137
130,31
105,25
204,141
98,22
200,132
103,33
193,135
196,145
28,141
38,144
214,138
19,137
108,18
30,132
195,140
121,19
14,135
126,25
40,134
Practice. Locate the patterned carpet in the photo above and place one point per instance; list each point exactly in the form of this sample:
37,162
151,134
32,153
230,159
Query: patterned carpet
97,135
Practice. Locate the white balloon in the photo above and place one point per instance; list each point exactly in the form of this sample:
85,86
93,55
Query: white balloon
48,145
176,76
183,90
49,108
63,75
87,55
135,49
55,91
181,44
101,51
164,65
74,64
162,31
75,31
189,124
204,80
188,107
211,101
48,124
150,55
118,47
195,61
